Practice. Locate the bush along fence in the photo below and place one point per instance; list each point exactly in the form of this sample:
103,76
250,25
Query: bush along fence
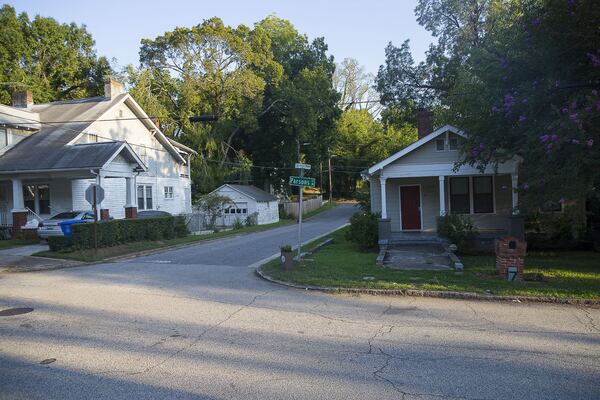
115,232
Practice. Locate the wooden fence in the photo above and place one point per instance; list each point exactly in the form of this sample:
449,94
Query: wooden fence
308,205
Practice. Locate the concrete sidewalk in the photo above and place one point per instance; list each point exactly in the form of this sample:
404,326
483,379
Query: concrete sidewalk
20,259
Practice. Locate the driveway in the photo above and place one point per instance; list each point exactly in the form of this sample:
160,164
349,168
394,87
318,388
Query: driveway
18,259
197,323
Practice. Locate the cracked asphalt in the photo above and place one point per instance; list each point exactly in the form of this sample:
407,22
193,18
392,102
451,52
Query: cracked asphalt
197,323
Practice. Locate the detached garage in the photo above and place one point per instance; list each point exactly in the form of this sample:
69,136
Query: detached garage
249,201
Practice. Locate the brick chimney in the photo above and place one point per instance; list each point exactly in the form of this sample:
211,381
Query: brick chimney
22,99
424,123
112,87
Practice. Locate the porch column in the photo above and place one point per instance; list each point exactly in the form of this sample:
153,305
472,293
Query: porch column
383,198
19,213
515,193
442,195
130,193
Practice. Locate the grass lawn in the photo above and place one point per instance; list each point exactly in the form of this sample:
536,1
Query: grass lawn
129,248
565,274
9,244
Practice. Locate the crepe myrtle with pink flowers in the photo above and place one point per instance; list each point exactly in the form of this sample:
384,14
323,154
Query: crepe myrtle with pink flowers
548,109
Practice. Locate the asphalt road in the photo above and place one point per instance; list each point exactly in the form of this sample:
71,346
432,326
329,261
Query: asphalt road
197,323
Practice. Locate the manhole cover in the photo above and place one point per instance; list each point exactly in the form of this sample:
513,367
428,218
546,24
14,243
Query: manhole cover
9,312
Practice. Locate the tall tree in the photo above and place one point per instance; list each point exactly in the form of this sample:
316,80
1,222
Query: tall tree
522,77
55,61
219,70
355,87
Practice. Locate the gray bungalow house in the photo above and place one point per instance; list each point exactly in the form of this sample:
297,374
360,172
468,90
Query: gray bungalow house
414,186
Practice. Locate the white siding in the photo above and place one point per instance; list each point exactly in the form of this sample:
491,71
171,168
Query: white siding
268,212
163,168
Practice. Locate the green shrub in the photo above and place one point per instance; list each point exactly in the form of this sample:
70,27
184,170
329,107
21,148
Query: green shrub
252,219
553,231
286,248
238,224
115,232
364,230
59,243
459,229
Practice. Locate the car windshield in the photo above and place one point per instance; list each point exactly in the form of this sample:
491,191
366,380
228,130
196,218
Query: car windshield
66,215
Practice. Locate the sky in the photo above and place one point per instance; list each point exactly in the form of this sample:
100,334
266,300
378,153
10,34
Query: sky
352,29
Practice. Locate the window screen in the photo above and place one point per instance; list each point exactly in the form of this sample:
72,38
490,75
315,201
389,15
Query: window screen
140,197
483,194
439,145
459,196
149,205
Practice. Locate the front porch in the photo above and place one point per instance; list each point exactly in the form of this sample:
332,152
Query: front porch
410,206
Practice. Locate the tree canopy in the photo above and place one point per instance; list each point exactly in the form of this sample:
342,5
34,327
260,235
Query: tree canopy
521,77
55,61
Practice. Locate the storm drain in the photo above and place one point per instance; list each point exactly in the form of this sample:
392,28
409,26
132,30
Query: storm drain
9,312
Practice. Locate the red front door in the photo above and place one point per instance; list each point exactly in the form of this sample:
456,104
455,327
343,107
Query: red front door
410,207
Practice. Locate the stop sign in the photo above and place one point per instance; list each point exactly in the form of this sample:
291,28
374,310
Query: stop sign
89,194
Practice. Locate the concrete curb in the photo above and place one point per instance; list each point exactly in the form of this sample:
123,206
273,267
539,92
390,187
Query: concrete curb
430,293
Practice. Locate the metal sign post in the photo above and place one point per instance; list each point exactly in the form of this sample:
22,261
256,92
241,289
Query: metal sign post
94,194
301,167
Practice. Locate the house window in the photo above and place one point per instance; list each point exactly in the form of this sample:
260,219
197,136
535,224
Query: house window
92,138
149,198
483,194
44,199
29,197
37,198
3,138
144,197
453,143
552,206
168,192
440,145
460,202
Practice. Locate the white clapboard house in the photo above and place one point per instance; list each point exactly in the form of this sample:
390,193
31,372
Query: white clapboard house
50,153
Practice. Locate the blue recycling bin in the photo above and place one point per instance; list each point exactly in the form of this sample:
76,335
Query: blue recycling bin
65,226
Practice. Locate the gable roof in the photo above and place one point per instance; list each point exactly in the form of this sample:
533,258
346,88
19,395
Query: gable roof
425,139
74,157
60,125
250,191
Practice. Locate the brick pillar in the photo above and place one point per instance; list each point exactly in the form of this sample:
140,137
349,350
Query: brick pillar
131,212
104,214
510,252
19,219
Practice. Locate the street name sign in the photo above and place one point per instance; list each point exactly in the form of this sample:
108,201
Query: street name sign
302,166
302,181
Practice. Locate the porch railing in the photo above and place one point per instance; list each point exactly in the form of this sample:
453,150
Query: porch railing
32,215
5,219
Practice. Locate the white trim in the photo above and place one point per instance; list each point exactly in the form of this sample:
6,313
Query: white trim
133,153
415,145
420,207
447,169
472,194
144,119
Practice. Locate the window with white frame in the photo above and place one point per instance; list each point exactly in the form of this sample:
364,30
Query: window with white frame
483,194
168,192
144,197
440,145
460,199
3,138
452,143
552,207
472,195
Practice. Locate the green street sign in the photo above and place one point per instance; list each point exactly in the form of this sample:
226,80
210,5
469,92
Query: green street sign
302,181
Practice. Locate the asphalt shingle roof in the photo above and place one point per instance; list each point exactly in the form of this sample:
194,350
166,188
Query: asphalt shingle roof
60,122
253,192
